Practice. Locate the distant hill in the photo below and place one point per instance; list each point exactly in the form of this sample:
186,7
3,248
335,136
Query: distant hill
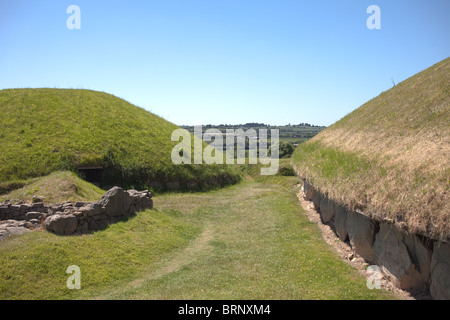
45,130
391,156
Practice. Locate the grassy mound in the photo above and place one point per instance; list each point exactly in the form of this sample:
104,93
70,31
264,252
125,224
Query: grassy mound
45,130
59,186
390,157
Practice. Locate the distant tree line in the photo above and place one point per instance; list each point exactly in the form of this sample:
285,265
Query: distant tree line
252,125
290,135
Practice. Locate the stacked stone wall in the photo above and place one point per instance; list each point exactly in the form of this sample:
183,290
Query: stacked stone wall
71,218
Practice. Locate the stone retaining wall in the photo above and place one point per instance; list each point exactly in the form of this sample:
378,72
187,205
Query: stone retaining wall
409,261
73,217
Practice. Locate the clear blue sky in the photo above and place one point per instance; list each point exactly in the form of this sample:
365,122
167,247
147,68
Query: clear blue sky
224,61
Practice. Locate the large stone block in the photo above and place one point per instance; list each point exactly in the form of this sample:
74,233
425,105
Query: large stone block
420,254
37,205
440,271
15,209
95,207
326,209
308,190
54,208
116,202
406,267
361,232
34,215
340,222
317,196
13,230
24,208
61,224
4,209
140,200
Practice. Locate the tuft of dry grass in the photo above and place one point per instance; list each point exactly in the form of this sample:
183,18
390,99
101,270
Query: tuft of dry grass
398,146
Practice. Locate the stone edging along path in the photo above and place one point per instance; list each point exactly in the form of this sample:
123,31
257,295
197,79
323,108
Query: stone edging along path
73,218
409,262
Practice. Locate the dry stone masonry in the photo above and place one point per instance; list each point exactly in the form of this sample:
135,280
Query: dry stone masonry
409,261
72,218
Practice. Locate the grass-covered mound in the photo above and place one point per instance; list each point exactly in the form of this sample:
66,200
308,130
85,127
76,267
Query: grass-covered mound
59,186
45,130
390,157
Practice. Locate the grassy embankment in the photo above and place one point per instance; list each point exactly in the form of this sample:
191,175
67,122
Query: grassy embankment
390,157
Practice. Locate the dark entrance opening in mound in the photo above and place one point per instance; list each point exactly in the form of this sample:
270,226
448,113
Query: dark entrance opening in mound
93,175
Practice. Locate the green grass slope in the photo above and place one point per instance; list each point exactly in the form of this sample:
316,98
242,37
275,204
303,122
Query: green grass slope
59,186
390,157
44,130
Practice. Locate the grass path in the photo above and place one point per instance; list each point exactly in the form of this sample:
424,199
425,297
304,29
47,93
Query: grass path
181,259
248,241
255,244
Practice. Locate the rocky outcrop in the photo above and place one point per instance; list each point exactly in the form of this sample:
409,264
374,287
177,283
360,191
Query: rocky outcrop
409,261
74,217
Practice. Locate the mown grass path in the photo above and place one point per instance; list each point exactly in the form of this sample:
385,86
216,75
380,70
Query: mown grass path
254,243
249,241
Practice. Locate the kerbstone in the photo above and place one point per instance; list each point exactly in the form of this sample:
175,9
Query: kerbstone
361,232
440,272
